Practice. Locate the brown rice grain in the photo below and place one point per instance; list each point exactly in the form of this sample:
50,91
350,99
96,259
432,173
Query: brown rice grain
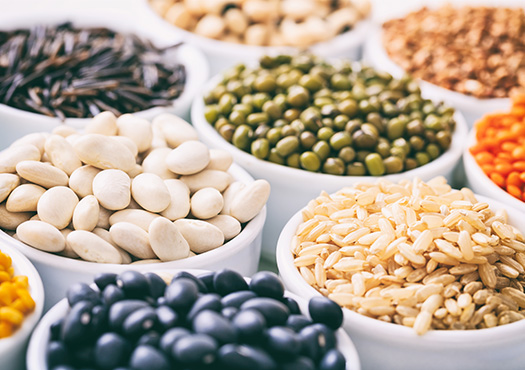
464,300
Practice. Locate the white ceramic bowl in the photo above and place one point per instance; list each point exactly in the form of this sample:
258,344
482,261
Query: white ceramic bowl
13,348
384,345
292,188
17,123
480,183
58,273
222,55
36,353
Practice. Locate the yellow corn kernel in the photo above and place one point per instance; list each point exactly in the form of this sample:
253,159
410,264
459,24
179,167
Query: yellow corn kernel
5,260
19,305
4,276
21,281
6,329
6,296
11,315
11,271
26,298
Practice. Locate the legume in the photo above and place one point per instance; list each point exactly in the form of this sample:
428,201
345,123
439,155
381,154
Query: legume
215,320
500,148
298,23
476,51
64,71
343,119
413,253
118,203
15,299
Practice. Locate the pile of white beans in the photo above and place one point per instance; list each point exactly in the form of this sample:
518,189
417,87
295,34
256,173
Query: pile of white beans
298,23
123,191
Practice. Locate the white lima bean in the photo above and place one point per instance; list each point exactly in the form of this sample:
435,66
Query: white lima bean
56,206
42,174
206,179
85,216
11,220
200,235
150,192
67,251
104,152
128,143
219,160
138,217
188,158
132,239
10,157
8,182
24,198
229,195
206,203
104,234
175,129
37,139
41,235
137,129
103,217
104,123
166,240
180,200
91,247
229,225
250,200
61,154
81,180
112,188
64,131
155,162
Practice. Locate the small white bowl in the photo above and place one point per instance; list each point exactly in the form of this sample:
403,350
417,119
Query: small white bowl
17,123
241,253
480,183
292,188
222,55
13,348
36,353
384,345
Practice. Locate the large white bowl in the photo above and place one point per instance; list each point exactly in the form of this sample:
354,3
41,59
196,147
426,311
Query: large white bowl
17,123
480,183
58,273
36,353
13,348
292,188
222,55
384,345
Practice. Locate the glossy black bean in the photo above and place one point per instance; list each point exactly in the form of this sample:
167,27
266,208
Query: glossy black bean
57,354
157,286
161,301
171,336
292,305
267,284
300,363
274,312
184,274
151,338
250,325
139,321
228,281
229,312
122,309
79,292
210,301
84,356
111,350
207,280
333,360
236,299
55,329
195,349
242,357
326,311
75,328
315,341
103,279
166,317
134,284
283,343
215,325
112,294
329,335
64,367
181,294
99,319
298,322
146,357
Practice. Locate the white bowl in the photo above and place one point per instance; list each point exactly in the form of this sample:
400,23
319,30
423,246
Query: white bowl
384,345
292,188
222,55
480,183
12,349
241,253
36,353
17,123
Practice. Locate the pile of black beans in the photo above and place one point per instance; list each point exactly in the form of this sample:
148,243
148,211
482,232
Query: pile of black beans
213,321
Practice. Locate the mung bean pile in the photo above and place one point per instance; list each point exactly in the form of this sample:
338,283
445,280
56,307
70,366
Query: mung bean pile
65,71
340,119
417,254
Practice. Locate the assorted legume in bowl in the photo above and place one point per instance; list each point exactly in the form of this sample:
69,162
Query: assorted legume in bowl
429,276
307,125
128,191
192,319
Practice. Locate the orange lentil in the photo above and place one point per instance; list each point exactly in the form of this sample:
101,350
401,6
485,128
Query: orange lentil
514,191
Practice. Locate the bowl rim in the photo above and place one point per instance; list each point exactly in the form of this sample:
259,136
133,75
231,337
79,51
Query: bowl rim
194,61
476,175
35,356
205,130
374,327
23,266
243,240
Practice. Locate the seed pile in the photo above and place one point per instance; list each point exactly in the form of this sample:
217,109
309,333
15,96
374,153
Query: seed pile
64,72
339,119
15,299
478,51
417,254
213,321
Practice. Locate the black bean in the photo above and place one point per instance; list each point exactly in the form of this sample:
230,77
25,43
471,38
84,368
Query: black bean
99,319
139,321
55,329
316,340
228,281
57,354
195,349
169,338
75,327
134,284
112,294
151,338
84,356
166,317
267,284
81,292
215,325
64,367
298,322
111,350
146,357
250,325
236,299
300,363
157,286
103,279
333,360
122,309
292,305
274,312
184,274
242,357
283,343
181,294
210,301
326,311
207,280
229,312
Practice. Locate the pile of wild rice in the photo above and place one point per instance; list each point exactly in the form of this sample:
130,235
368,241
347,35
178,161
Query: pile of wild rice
64,71
417,254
